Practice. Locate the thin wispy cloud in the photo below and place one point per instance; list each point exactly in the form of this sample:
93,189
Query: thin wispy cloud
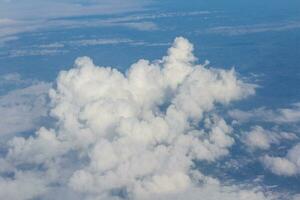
255,28
35,9
141,22
30,15
64,47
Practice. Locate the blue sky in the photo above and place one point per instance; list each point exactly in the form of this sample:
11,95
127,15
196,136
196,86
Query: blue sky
100,98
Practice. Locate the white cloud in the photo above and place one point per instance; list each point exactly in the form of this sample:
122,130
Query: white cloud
36,52
11,27
135,135
260,138
284,166
280,166
33,9
254,28
280,115
62,47
99,41
5,21
257,138
54,45
4,40
20,187
21,109
11,78
213,190
31,15
141,26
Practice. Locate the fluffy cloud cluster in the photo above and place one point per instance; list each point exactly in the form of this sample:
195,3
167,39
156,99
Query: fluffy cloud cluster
22,109
285,166
260,138
278,116
133,135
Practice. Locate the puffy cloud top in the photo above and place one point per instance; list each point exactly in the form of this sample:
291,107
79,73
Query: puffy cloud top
136,134
284,166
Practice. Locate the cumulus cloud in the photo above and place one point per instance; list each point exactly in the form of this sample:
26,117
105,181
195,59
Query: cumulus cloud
134,135
260,138
22,109
285,166
289,114
21,187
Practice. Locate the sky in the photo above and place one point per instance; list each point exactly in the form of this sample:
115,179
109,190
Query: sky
148,99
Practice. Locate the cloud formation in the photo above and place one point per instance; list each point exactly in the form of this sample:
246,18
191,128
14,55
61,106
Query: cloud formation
31,15
260,138
254,28
33,9
279,116
22,109
284,166
134,135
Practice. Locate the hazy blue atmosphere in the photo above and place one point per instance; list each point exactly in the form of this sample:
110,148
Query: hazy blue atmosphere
213,114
